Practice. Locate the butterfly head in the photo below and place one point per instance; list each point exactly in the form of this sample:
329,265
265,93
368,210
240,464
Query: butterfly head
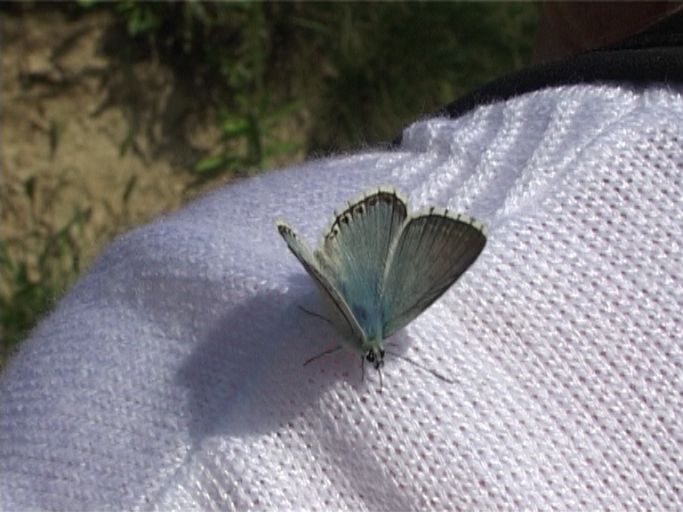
375,356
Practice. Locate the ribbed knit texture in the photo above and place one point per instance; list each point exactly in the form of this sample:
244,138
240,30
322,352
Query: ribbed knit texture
171,376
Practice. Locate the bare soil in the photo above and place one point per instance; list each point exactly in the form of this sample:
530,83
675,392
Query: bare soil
80,127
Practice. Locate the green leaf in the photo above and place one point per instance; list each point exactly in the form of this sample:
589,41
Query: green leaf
235,127
130,185
210,163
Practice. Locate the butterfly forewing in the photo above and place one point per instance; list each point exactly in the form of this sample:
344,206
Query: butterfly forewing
343,317
355,253
432,252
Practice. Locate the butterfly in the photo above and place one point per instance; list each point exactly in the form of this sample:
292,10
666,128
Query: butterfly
380,267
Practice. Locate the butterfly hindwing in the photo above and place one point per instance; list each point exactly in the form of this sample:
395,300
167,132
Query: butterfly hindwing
343,317
432,251
355,253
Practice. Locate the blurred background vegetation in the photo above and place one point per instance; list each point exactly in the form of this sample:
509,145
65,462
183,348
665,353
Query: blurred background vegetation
115,112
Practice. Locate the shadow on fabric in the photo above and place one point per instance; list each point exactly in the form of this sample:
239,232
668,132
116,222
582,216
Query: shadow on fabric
246,376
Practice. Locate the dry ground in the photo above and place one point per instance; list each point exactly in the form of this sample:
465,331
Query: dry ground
81,127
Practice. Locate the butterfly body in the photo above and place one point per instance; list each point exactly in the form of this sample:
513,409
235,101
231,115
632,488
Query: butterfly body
378,267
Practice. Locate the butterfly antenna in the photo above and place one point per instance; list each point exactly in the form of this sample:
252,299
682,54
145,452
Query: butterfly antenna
313,313
420,366
318,356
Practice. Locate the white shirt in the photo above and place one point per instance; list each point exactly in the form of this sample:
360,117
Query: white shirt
171,377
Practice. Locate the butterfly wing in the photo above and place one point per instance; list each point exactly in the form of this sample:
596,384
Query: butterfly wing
343,316
431,253
355,252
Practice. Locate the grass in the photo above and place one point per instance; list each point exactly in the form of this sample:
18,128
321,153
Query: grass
33,281
280,81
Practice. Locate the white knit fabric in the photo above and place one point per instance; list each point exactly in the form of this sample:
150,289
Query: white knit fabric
171,377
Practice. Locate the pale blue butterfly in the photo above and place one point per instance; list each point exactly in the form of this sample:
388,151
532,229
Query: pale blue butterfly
380,267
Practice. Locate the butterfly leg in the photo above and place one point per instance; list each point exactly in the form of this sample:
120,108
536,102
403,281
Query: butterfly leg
421,366
313,313
318,356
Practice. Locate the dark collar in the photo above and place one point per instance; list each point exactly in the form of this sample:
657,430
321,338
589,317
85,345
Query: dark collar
654,55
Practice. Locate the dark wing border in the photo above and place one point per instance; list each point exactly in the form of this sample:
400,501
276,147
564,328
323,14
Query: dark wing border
305,257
